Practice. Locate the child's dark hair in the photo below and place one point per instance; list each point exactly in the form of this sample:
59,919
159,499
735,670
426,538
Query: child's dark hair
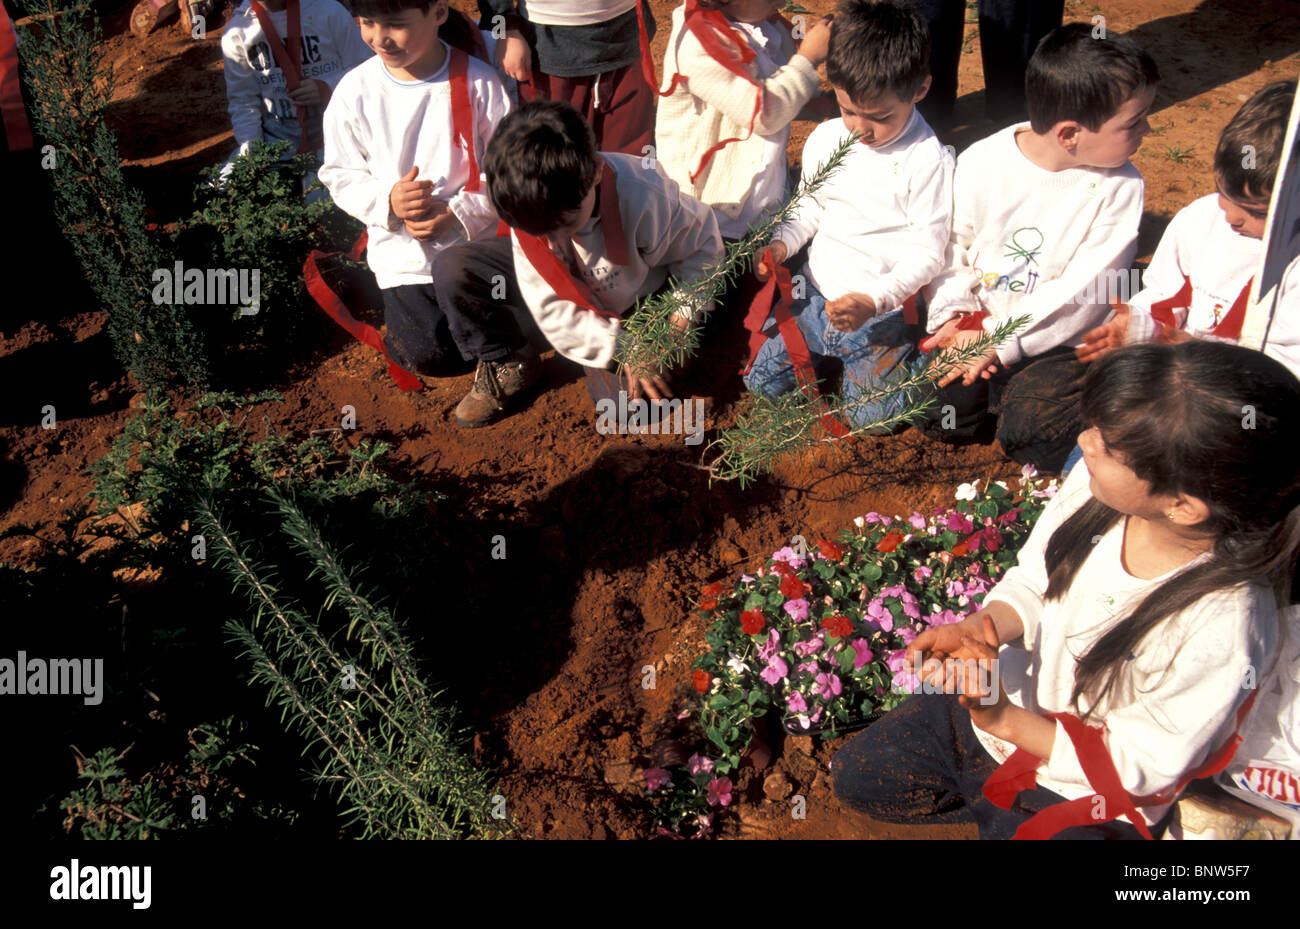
371,9
1073,76
1261,125
878,47
1210,420
540,165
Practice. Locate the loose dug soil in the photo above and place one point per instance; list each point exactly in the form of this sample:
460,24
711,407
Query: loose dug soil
609,538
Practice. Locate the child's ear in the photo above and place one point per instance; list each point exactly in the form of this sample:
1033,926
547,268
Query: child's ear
1067,135
441,11
923,90
1188,510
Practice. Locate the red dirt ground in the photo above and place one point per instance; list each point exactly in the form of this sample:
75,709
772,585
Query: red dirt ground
629,520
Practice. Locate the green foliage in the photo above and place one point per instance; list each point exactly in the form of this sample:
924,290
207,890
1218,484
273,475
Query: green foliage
111,807
256,218
71,88
651,341
384,740
769,429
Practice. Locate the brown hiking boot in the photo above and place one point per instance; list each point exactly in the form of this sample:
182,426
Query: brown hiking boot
496,383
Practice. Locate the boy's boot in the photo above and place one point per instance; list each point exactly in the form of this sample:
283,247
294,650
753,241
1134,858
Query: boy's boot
496,383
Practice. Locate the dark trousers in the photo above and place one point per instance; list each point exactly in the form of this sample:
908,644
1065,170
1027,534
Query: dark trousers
1034,403
463,316
619,105
921,764
1009,32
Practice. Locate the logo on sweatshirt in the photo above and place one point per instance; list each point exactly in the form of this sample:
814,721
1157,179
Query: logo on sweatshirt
1031,246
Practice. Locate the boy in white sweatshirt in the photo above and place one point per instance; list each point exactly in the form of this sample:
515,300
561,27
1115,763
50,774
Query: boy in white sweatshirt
1043,213
722,130
1199,280
405,133
879,226
591,233
260,101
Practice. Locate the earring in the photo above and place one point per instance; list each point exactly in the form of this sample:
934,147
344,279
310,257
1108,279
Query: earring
1170,514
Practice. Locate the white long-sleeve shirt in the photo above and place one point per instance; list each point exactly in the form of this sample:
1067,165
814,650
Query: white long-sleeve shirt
745,177
1028,241
257,97
377,128
1199,246
1185,679
668,233
880,224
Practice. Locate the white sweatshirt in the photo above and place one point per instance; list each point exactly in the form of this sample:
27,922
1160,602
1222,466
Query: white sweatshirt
747,177
258,99
1200,246
569,13
377,128
1027,241
667,233
1186,678
880,224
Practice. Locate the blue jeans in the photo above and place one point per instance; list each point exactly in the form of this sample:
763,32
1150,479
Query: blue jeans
882,350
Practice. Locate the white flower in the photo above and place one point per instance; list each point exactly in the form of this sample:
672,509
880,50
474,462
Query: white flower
968,491
1002,484
736,666
1029,472
859,521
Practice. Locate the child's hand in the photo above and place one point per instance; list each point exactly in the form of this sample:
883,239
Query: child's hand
986,707
514,57
763,270
307,94
816,43
943,338
1105,338
849,312
438,222
982,366
411,199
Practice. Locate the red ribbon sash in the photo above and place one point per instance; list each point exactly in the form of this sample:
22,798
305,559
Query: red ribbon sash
706,25
1229,327
795,345
553,271
18,132
288,59
1018,773
334,307
462,114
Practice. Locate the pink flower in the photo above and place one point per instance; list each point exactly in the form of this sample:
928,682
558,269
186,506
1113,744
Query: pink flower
789,556
907,634
797,609
862,652
776,670
922,573
910,606
880,616
795,702
698,764
959,523
768,650
1029,472
808,667
656,778
955,589
917,521
873,518
719,791
827,685
809,648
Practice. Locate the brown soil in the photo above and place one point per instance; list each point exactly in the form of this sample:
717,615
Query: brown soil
613,536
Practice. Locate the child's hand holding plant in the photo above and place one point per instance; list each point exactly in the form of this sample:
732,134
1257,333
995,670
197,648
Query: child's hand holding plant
769,259
849,312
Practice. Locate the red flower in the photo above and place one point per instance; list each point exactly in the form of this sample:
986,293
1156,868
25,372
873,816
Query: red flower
960,548
992,539
792,587
751,621
838,626
829,549
701,680
714,589
783,569
709,604
889,542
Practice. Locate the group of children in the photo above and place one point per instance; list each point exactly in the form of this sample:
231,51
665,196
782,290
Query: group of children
556,203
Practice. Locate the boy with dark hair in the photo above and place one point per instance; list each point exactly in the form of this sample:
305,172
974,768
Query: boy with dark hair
1199,280
404,133
1042,213
591,233
879,226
